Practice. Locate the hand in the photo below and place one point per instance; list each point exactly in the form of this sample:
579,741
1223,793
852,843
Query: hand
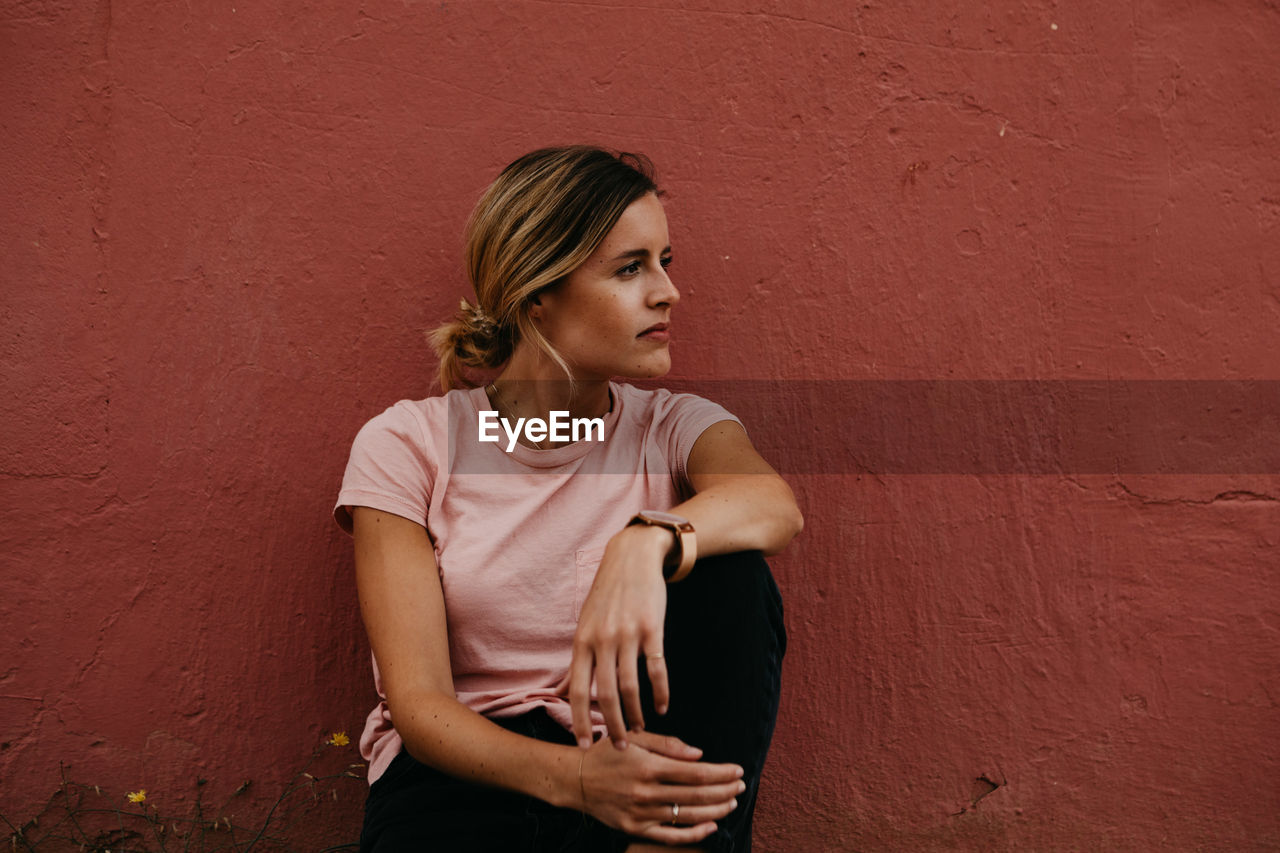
621,619
634,789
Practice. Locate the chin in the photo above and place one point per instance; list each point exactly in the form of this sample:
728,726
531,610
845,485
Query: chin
646,371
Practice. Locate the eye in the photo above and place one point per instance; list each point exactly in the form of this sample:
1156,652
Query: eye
665,261
630,269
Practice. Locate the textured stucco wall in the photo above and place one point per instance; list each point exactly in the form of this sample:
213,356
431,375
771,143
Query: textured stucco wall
225,227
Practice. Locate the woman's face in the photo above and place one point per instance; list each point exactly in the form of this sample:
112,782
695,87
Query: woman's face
610,316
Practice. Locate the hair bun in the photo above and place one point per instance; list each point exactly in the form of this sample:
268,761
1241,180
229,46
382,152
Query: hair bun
476,322
472,338
478,325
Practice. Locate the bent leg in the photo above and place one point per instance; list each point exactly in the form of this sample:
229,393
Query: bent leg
414,807
723,642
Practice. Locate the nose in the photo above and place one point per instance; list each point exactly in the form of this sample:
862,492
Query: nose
664,291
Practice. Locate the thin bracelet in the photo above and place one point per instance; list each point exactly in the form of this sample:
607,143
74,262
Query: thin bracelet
581,786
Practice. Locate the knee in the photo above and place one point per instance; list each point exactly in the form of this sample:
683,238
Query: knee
732,597
740,581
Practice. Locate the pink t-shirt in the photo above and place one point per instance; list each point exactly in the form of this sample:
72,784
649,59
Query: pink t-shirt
518,535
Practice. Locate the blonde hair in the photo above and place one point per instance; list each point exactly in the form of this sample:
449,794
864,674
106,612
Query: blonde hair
537,222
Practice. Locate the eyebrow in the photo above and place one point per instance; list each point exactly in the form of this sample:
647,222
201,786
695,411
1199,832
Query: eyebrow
638,253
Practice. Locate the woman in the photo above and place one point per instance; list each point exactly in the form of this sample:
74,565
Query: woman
512,580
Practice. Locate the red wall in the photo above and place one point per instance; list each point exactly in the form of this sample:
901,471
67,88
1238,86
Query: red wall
226,226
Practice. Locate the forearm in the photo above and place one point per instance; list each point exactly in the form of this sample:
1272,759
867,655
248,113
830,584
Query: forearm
747,513
440,731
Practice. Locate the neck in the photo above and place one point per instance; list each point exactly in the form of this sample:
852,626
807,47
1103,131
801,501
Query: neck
537,398
533,387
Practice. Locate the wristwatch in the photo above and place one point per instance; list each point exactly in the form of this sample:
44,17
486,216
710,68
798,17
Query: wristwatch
686,542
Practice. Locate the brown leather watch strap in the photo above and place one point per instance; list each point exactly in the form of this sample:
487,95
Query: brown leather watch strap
686,540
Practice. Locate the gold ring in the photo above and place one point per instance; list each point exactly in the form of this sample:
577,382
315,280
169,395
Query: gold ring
654,656
675,813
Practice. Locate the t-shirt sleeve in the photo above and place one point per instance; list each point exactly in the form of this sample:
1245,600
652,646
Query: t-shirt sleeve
392,467
686,417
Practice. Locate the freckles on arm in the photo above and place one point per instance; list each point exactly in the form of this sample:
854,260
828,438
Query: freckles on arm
740,503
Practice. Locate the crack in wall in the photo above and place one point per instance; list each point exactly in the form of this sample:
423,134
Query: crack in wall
983,787
1230,496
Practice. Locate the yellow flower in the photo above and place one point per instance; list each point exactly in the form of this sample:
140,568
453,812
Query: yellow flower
339,739
137,796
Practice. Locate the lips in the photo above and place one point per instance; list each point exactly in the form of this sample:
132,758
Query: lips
657,331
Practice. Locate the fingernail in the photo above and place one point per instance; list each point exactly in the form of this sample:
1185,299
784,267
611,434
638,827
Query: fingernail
742,786
735,802
661,709
737,771
620,744
584,742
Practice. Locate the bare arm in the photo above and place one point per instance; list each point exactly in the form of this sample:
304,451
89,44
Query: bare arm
403,608
741,504
402,603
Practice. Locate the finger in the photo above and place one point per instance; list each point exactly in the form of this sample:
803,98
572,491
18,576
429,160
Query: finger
712,796
668,745
675,814
629,685
580,694
657,666
672,835
607,696
676,772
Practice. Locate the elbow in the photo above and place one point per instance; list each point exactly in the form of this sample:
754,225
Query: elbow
792,519
787,526
796,522
792,524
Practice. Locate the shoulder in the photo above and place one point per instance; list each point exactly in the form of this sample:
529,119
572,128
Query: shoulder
675,410
672,422
412,434
397,455
656,404
417,421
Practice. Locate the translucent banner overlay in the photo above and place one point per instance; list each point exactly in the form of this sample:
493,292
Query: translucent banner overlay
1004,426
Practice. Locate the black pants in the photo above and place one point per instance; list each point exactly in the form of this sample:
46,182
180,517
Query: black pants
723,640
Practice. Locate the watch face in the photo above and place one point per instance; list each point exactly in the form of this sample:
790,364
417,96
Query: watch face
663,517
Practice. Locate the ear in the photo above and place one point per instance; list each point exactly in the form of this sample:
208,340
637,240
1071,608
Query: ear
533,307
